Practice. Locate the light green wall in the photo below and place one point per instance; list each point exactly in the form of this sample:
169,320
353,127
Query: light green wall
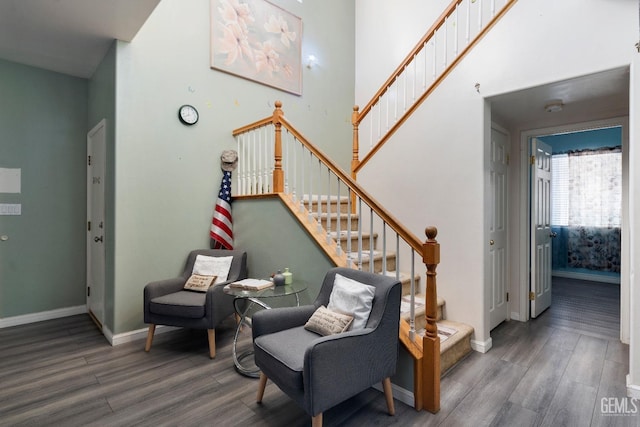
275,240
167,175
43,120
102,105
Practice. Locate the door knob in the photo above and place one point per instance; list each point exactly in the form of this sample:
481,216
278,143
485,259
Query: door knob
491,242
97,239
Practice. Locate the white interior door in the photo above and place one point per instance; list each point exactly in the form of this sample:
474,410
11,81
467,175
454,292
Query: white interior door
96,161
540,290
497,244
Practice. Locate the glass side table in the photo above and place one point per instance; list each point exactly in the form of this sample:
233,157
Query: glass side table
245,303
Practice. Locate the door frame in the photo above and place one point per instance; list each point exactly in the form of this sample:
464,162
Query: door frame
102,124
525,214
487,268
540,261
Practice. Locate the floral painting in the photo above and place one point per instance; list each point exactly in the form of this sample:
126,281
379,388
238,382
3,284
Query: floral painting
257,40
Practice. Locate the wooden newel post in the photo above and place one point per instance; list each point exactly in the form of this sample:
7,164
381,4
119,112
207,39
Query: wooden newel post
355,156
278,173
431,342
356,144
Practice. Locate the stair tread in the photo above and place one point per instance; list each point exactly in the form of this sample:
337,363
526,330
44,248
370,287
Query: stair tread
366,253
451,333
420,306
333,214
354,234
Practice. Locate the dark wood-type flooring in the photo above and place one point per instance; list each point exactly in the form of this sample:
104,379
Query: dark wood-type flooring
552,371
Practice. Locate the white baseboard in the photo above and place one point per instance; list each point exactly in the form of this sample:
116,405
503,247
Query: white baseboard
515,316
401,394
482,346
586,276
633,390
43,315
138,334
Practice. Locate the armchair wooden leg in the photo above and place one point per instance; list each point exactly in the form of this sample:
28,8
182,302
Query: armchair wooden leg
211,333
317,420
261,386
152,329
386,386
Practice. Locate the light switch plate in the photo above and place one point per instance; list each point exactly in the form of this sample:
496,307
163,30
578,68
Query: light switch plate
10,209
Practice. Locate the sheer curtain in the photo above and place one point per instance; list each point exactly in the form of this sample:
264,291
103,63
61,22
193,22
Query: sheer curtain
587,208
595,188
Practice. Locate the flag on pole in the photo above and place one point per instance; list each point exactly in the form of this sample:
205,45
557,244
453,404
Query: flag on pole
222,225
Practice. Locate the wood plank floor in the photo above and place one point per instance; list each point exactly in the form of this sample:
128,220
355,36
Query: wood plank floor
552,371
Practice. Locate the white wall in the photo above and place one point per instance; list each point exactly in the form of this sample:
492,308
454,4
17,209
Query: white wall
386,31
441,151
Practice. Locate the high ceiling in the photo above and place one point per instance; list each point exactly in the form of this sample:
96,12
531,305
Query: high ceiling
67,36
72,37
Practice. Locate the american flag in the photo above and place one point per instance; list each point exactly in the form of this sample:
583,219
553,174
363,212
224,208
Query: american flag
222,226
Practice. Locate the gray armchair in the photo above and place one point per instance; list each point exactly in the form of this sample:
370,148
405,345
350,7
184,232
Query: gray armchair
166,303
318,372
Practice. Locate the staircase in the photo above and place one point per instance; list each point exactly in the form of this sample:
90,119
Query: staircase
351,226
455,337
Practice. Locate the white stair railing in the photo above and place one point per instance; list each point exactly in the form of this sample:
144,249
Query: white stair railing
314,188
319,188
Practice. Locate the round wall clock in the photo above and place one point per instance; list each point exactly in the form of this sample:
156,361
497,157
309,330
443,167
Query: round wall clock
188,114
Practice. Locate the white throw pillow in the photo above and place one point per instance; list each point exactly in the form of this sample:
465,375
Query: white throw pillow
213,266
352,297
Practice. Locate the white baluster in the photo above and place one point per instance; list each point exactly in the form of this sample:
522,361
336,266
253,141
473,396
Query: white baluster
415,76
302,171
319,206
371,266
468,23
239,168
412,315
295,169
261,144
384,247
424,74
359,233
285,161
253,169
267,155
349,257
444,45
387,96
338,224
310,187
328,206
379,122
434,55
455,35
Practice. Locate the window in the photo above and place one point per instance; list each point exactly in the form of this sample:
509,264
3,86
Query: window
586,188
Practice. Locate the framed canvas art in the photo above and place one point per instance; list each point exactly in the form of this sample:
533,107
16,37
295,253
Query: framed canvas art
257,40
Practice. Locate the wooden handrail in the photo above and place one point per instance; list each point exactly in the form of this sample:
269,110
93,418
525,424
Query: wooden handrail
253,126
357,118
